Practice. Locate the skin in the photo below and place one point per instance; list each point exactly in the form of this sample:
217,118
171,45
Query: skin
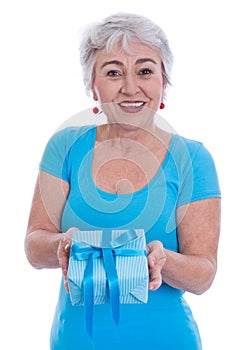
131,84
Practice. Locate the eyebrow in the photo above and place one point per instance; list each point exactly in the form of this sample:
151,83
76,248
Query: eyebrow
119,63
143,60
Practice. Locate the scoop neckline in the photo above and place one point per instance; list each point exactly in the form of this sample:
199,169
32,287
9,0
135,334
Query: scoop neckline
130,194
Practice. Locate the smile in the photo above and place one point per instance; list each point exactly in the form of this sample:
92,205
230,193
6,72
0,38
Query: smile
131,104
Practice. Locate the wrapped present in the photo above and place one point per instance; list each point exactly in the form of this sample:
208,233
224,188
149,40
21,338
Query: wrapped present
108,266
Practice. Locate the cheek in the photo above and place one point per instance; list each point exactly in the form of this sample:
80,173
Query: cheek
155,91
105,92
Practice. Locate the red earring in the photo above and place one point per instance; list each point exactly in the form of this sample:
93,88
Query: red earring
162,105
95,110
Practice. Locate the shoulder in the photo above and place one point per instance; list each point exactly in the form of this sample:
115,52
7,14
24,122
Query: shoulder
197,171
73,132
192,146
59,146
192,155
66,137
192,149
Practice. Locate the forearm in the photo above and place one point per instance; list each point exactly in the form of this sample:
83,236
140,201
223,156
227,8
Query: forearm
41,248
190,273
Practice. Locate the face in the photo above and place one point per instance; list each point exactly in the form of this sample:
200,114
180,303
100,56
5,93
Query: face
133,81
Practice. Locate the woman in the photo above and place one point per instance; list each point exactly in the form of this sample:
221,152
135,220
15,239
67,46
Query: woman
128,173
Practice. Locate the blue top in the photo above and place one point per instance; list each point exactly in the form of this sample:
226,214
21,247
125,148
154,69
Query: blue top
187,174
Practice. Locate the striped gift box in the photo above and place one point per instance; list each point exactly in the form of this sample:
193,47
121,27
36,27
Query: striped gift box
108,266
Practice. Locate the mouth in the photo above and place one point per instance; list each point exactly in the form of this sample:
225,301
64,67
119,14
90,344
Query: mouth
131,106
136,104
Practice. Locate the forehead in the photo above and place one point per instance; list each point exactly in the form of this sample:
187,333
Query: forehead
133,51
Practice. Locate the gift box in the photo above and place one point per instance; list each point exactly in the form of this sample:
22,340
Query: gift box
108,266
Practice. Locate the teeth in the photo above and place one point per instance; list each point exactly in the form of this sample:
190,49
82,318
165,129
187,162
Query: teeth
131,104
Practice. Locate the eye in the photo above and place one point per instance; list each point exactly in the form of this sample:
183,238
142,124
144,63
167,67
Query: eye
113,74
145,71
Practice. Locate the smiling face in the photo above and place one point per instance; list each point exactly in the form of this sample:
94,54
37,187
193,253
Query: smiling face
132,81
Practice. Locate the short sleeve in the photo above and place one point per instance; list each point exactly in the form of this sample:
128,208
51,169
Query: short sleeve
200,179
55,156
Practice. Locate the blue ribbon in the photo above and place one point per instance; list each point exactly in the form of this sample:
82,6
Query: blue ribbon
82,251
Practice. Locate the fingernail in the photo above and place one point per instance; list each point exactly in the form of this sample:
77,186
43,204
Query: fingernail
67,246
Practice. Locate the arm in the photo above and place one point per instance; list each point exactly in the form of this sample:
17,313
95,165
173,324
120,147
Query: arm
194,267
44,233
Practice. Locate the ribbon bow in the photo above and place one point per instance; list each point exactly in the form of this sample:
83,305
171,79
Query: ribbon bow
82,251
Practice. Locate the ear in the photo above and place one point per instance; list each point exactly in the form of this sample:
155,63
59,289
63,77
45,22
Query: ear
94,94
164,89
164,85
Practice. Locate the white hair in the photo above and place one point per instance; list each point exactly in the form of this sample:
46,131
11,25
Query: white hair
122,27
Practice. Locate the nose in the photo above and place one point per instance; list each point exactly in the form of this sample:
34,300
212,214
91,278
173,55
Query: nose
130,85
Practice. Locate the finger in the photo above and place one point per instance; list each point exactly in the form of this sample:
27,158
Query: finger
69,233
151,261
156,254
155,284
155,265
155,278
155,248
63,258
64,248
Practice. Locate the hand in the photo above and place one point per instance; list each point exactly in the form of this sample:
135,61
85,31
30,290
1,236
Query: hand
63,254
156,260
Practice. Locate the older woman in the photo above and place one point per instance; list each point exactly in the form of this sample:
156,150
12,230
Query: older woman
128,173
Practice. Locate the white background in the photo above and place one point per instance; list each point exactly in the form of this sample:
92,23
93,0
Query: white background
41,87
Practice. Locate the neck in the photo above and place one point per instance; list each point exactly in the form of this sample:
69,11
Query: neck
124,132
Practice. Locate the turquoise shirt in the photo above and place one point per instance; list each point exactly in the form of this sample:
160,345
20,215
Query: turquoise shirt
187,174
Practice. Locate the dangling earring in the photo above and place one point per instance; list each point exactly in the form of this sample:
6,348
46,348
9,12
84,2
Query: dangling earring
162,105
95,110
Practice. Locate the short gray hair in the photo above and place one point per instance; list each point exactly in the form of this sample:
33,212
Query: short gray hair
122,27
